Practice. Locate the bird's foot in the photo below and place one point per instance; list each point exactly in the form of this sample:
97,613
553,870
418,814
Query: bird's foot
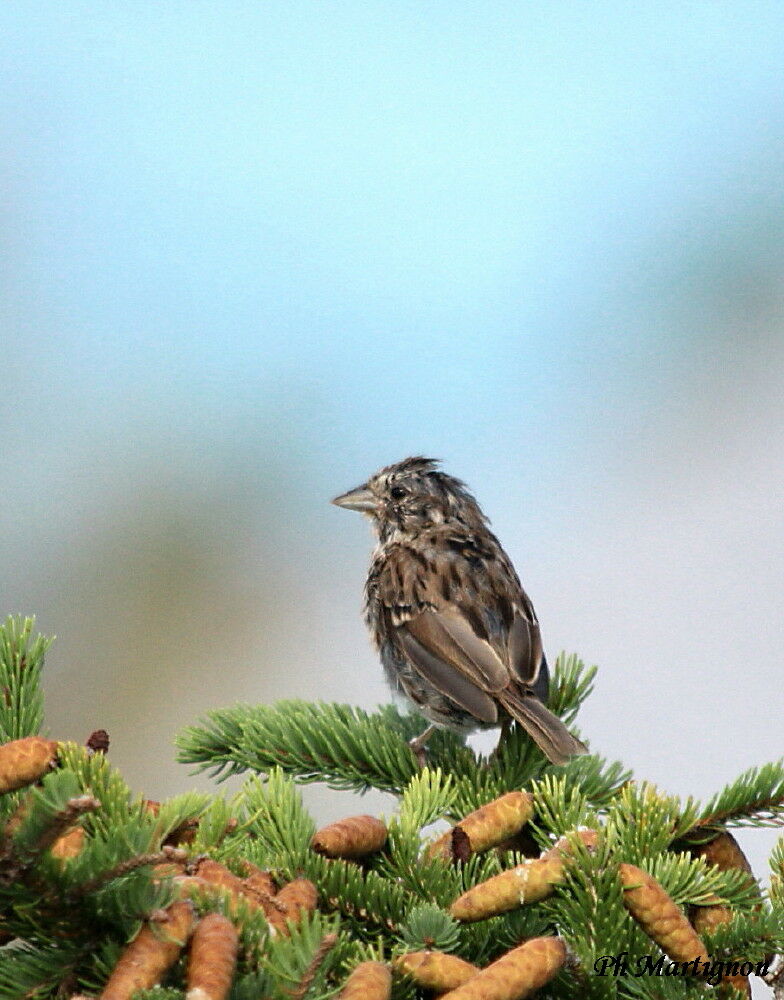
506,725
417,745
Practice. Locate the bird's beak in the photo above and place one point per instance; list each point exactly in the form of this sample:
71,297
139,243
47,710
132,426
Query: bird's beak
360,499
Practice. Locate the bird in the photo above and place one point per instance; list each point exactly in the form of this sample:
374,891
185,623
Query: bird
456,633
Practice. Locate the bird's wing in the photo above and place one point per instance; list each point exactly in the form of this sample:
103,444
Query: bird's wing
446,675
442,639
524,644
448,635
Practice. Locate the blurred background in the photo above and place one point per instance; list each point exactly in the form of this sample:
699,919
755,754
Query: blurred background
251,254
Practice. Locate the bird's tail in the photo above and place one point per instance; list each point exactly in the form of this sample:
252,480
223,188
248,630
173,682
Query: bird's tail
545,729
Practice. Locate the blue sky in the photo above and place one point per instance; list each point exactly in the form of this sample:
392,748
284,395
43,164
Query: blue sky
251,252
395,208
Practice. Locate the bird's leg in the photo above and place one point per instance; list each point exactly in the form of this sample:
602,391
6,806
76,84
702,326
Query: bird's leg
417,746
506,725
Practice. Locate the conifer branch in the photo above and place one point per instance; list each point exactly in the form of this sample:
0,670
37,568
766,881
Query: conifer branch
41,818
63,820
122,868
756,798
340,745
351,749
298,913
21,662
326,945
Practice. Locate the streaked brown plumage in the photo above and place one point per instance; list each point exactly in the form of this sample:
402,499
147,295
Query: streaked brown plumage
456,632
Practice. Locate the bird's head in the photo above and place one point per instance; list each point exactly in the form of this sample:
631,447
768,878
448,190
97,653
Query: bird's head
412,495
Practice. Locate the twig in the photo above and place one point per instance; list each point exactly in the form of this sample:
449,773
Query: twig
129,865
16,860
65,819
326,945
775,978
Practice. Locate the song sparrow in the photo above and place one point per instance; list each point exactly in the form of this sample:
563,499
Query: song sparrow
456,632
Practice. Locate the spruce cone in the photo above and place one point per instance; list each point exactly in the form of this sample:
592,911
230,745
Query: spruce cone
24,761
724,852
350,838
69,845
659,917
259,881
527,883
488,826
562,848
293,900
143,963
213,956
516,974
435,970
368,981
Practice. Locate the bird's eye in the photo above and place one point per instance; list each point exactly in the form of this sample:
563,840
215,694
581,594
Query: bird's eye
397,492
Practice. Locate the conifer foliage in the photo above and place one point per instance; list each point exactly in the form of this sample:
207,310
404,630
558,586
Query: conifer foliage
544,878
